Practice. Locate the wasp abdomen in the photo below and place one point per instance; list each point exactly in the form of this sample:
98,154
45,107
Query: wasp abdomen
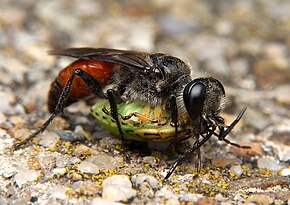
79,89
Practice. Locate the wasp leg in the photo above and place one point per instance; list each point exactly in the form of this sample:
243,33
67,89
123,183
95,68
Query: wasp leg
188,153
198,162
115,115
93,84
114,110
174,114
223,133
221,136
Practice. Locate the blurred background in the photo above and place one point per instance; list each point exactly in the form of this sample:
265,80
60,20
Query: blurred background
241,40
244,43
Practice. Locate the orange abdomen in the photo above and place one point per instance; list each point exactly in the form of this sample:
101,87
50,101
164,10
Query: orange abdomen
102,71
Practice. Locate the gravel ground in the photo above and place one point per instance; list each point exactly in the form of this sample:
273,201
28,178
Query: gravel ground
244,43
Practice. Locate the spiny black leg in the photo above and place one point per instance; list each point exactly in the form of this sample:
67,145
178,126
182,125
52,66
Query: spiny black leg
198,162
188,153
224,133
90,81
114,110
174,114
93,84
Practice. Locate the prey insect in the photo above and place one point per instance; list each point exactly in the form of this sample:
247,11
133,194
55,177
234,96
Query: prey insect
142,96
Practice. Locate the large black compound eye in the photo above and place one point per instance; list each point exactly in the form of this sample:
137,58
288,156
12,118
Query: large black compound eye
194,96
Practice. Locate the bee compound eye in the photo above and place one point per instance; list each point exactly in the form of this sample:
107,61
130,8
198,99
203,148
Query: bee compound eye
194,96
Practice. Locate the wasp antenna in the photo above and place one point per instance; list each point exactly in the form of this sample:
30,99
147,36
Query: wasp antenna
233,124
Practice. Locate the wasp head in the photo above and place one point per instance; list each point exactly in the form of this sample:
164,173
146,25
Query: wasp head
204,99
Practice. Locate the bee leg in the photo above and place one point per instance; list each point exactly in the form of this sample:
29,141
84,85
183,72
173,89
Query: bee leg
189,153
61,103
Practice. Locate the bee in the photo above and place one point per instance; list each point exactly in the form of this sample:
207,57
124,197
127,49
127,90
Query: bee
154,88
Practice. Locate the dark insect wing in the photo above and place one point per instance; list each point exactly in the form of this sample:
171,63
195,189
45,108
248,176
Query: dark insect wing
139,60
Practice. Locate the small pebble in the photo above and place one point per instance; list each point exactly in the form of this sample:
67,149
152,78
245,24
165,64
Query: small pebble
260,199
58,192
281,94
145,191
33,163
173,201
139,179
103,161
67,135
87,167
150,160
74,160
49,140
3,118
62,161
7,98
59,171
85,189
165,192
21,134
25,175
236,170
284,172
47,162
118,188
7,169
82,150
268,163
74,176
223,162
190,197
20,201
77,184
205,200
219,197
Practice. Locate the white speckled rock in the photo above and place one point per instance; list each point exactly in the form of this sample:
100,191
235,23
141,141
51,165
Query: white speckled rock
268,163
49,140
58,192
139,179
59,171
103,161
284,172
87,167
236,170
25,175
118,188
